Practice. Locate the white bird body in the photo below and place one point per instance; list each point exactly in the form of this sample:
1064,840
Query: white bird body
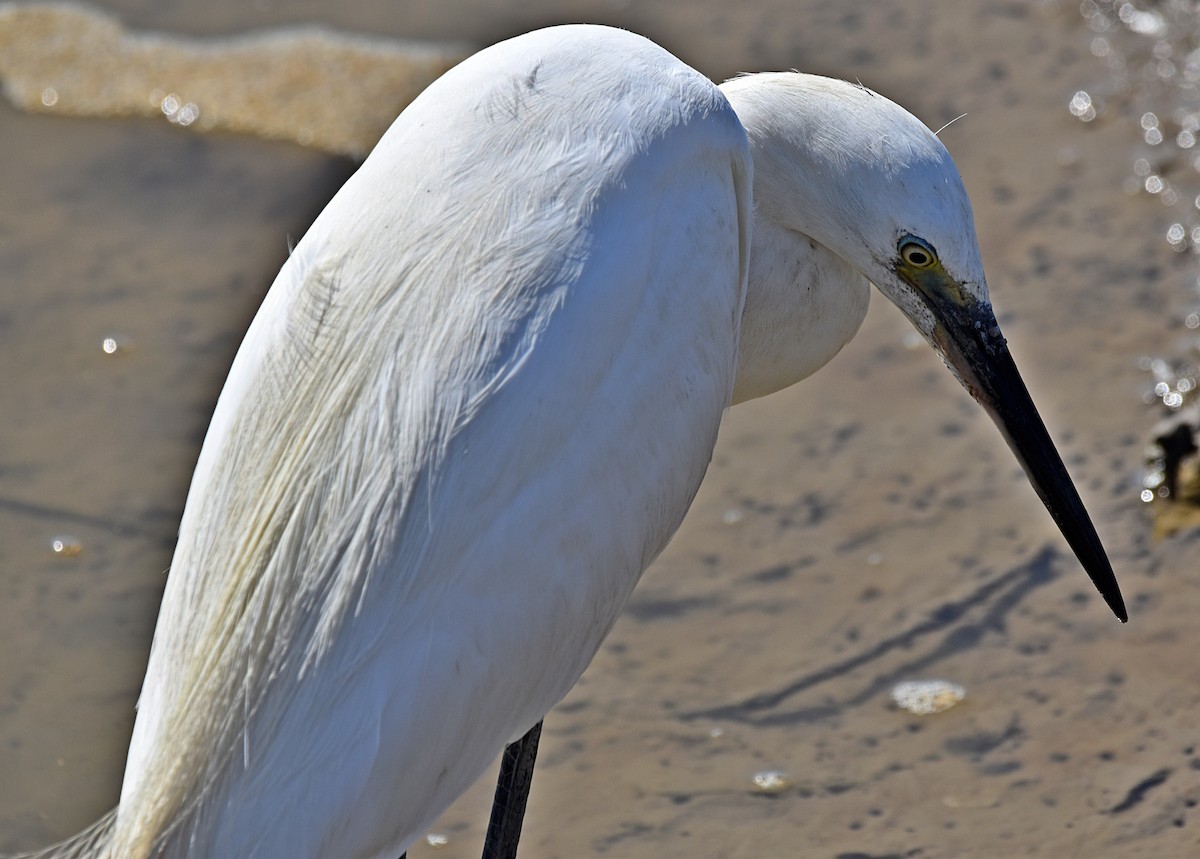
483,438
477,402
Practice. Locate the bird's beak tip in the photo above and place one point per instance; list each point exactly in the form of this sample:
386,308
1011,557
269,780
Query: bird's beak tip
972,344
1116,604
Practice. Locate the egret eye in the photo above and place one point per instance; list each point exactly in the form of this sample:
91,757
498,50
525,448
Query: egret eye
917,253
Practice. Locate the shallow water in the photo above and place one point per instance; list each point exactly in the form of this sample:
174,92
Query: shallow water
864,528
332,91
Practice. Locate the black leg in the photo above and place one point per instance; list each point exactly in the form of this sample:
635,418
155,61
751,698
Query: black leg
512,792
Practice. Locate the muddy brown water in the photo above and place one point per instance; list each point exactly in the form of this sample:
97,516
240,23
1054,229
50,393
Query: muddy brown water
865,527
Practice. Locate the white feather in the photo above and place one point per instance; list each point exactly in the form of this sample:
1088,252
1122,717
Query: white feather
446,446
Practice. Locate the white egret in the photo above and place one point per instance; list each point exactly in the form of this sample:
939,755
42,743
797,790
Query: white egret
477,402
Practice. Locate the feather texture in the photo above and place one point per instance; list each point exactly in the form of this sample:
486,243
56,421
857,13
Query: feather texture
385,454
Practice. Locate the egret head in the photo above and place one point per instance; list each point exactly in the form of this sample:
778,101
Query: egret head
864,178
867,181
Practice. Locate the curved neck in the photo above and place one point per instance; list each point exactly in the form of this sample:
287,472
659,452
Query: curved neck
803,304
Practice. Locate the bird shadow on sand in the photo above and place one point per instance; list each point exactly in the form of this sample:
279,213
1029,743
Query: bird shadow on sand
954,621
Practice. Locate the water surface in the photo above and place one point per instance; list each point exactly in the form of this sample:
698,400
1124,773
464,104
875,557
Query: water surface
866,527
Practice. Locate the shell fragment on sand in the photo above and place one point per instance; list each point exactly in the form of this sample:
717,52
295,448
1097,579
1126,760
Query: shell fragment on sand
925,697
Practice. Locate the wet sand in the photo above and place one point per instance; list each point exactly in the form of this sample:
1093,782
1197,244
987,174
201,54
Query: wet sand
866,527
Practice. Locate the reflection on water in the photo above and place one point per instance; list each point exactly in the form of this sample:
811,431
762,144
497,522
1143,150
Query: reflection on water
1152,56
66,546
1153,61
332,91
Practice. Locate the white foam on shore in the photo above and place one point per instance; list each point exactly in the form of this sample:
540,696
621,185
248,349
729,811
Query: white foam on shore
333,91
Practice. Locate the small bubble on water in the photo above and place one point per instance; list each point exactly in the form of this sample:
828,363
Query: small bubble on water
190,112
1099,22
65,546
1081,106
732,516
49,96
1145,23
771,781
176,110
114,345
1147,495
437,839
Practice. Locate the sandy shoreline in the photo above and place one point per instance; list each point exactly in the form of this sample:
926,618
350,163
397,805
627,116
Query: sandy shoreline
865,527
